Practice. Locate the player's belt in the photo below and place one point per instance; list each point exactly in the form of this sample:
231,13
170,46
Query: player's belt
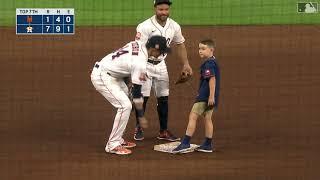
153,62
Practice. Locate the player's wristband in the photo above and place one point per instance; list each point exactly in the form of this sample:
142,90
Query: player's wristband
139,112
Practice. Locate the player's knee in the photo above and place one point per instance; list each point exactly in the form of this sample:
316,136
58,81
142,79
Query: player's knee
145,100
127,105
163,93
163,99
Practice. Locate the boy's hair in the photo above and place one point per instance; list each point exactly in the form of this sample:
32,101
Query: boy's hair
210,43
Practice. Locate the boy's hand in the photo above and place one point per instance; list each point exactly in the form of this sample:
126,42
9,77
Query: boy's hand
210,102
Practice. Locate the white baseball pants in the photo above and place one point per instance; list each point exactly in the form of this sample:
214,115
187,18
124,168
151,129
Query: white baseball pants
116,92
158,80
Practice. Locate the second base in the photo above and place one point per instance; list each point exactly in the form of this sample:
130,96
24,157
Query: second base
168,147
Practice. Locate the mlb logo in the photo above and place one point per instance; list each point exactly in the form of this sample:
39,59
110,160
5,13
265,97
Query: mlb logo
138,36
307,7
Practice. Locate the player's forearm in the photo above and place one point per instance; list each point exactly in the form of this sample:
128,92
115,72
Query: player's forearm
212,86
138,103
182,53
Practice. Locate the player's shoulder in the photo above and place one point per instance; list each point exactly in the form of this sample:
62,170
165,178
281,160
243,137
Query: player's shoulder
134,45
138,49
146,22
173,23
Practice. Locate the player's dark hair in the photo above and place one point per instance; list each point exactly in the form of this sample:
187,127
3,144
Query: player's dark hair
209,42
158,42
158,2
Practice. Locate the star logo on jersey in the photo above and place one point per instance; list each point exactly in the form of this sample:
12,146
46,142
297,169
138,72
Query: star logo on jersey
138,36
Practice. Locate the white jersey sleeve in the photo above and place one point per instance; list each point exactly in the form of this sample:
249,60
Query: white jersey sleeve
139,64
142,33
178,37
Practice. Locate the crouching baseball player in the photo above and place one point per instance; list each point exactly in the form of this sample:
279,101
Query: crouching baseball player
108,78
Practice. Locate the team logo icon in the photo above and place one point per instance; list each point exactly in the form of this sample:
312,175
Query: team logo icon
138,36
29,29
29,19
207,72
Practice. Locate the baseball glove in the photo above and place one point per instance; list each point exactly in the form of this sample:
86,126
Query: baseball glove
184,77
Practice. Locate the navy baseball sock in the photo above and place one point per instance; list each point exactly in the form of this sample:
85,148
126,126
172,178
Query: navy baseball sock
186,139
207,141
145,100
162,108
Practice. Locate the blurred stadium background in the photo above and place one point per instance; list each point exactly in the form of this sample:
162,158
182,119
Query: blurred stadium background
186,12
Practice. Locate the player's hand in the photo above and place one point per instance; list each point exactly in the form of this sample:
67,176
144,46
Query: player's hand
183,78
186,69
143,122
143,77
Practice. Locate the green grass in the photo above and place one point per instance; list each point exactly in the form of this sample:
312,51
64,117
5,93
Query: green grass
186,12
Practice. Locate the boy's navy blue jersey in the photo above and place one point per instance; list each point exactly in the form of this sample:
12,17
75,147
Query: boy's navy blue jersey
208,69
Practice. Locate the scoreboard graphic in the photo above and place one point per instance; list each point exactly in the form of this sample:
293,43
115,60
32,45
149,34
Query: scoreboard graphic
45,21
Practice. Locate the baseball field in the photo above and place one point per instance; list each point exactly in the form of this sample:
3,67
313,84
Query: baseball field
53,124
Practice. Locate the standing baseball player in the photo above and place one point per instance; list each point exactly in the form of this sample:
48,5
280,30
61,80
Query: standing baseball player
158,78
108,79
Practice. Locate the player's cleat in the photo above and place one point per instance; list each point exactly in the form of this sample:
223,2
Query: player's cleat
182,148
128,144
120,150
138,134
167,135
205,148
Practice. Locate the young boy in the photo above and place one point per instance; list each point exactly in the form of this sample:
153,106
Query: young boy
206,100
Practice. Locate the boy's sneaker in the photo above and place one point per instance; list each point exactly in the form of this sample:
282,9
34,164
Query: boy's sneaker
181,148
167,135
120,150
138,134
205,148
128,144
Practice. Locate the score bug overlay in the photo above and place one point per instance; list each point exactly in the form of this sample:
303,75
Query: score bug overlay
46,21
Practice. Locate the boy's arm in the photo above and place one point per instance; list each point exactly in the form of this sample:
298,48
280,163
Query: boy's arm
212,86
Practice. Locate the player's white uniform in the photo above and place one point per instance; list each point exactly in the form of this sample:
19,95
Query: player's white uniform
107,77
157,73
